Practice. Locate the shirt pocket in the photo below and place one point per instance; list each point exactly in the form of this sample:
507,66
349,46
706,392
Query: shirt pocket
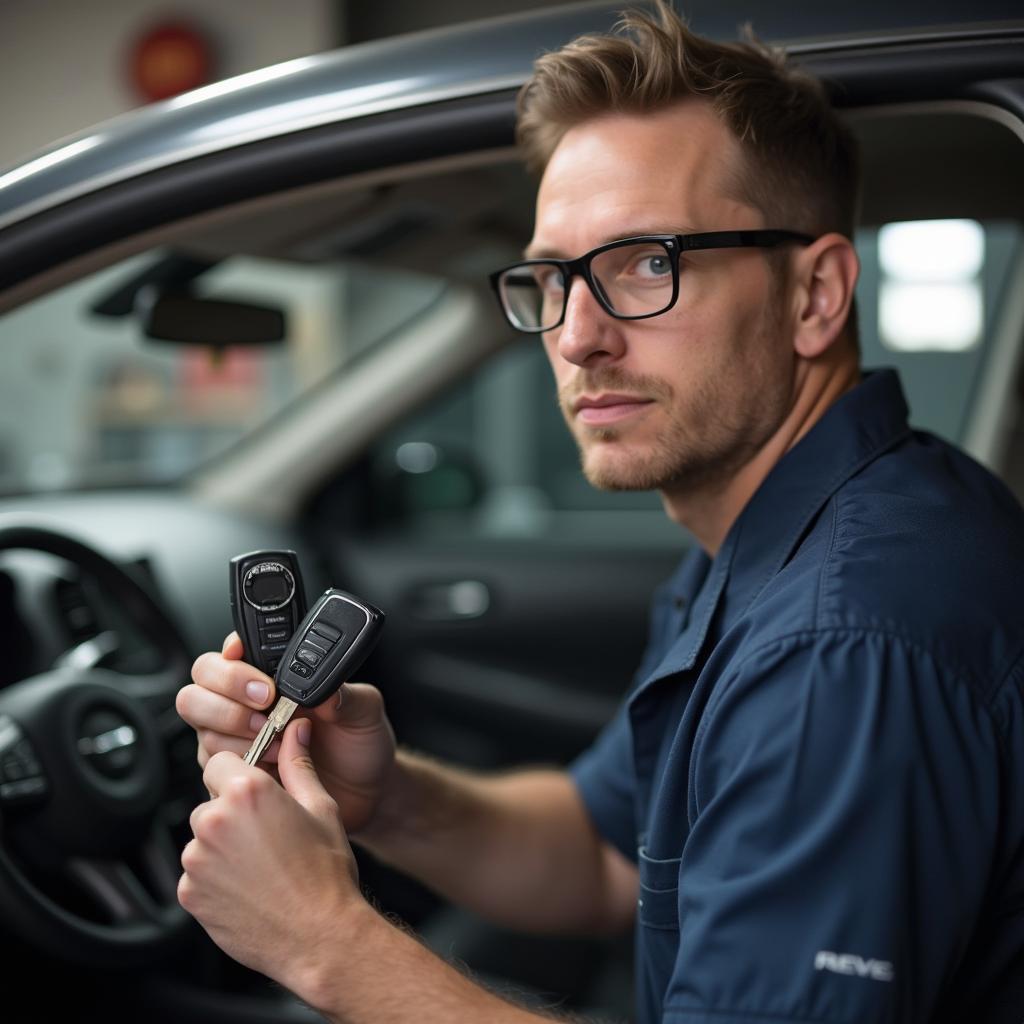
658,903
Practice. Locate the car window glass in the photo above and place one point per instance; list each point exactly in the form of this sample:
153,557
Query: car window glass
930,295
87,399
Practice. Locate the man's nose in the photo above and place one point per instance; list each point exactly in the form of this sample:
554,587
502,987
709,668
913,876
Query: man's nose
588,333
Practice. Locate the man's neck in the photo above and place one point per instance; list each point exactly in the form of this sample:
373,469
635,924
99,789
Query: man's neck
709,512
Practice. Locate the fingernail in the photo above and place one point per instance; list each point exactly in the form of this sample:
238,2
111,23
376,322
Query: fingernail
257,721
302,732
257,692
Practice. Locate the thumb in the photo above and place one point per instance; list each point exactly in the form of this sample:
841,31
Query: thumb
357,706
297,771
232,647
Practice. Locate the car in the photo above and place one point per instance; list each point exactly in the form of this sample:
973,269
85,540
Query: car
257,316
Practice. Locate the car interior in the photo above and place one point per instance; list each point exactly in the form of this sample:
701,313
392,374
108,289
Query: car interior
366,406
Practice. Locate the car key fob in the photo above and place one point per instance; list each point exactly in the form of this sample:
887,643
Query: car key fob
330,644
268,601
332,641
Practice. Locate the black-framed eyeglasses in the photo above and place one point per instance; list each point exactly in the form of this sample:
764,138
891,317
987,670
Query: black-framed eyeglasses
632,279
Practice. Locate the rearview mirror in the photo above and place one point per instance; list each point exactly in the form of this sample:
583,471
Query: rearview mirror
188,319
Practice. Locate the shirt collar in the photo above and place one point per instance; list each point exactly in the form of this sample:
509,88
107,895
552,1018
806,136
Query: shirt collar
855,430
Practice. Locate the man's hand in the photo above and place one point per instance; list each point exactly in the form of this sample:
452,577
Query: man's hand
353,746
518,849
270,872
271,877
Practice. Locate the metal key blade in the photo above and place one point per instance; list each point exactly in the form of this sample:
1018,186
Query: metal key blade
279,718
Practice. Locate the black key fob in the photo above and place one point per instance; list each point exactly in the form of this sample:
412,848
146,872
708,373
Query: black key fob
327,649
268,601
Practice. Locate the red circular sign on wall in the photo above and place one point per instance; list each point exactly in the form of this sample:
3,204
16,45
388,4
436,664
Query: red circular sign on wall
169,59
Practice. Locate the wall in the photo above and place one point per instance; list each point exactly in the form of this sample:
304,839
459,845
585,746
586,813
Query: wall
64,63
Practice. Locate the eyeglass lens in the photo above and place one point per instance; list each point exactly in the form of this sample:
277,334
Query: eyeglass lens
632,280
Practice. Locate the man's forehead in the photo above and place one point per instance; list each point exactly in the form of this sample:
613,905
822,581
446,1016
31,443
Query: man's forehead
627,174
685,138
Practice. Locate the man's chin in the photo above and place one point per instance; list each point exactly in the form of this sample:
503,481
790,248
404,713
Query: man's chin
621,472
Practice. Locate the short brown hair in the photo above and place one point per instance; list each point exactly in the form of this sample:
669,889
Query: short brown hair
801,167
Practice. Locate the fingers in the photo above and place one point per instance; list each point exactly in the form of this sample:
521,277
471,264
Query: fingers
204,709
223,770
357,706
233,679
298,773
225,703
211,743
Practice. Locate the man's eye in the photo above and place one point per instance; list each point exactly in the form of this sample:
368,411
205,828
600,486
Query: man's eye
654,265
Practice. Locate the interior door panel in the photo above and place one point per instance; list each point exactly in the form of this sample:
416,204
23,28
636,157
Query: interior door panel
533,671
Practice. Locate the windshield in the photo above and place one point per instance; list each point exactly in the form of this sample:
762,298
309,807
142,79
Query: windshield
87,399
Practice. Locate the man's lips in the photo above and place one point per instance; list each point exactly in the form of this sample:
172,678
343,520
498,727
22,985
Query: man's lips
608,408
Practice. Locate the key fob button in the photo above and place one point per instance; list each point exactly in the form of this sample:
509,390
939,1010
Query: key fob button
273,635
300,670
271,654
309,656
278,619
327,632
321,641
314,642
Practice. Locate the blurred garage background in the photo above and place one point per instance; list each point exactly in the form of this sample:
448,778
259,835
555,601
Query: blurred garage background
65,65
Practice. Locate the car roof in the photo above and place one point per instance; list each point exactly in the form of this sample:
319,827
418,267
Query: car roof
391,74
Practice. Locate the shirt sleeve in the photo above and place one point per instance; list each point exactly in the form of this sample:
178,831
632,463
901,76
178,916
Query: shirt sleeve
843,816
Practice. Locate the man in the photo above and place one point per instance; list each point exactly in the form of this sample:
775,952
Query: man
810,802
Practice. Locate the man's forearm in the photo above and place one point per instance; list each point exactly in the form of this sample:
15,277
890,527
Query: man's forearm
519,849
384,976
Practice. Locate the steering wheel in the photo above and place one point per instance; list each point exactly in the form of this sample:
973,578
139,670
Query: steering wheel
84,787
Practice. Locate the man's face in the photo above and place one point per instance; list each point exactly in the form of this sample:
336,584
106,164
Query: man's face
682,400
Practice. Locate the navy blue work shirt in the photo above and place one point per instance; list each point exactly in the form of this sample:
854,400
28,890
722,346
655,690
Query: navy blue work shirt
820,770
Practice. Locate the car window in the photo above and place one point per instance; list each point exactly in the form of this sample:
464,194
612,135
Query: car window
494,458
87,399
931,294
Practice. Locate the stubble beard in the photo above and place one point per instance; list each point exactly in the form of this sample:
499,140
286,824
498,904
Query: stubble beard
726,420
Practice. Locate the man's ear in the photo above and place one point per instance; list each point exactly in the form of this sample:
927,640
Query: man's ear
825,274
